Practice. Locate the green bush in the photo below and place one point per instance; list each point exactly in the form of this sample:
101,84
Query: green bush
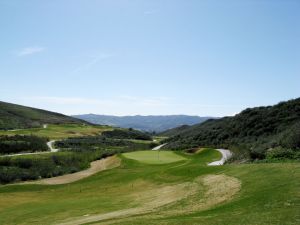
282,153
20,143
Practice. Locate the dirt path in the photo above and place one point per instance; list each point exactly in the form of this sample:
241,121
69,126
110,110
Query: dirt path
96,166
50,145
226,154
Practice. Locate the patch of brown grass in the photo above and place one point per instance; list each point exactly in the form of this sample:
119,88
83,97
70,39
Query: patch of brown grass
213,189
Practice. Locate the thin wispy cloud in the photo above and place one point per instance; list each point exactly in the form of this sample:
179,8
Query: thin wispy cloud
78,105
93,61
126,105
145,101
66,100
150,12
89,101
30,51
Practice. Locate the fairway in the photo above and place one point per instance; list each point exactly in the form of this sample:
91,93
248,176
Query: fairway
193,193
154,157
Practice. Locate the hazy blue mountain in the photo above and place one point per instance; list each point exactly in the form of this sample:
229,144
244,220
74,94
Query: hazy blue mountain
145,123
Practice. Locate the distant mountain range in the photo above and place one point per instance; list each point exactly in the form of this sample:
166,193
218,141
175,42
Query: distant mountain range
145,123
14,116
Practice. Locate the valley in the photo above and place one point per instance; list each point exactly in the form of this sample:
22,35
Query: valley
150,112
95,174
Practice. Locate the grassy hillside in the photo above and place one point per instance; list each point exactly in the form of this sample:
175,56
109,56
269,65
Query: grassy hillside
59,131
272,131
174,131
14,116
182,192
145,123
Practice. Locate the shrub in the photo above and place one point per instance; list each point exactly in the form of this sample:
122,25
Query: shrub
20,143
283,153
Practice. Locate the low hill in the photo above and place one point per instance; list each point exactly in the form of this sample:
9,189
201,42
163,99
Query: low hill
14,116
174,131
145,123
272,131
127,134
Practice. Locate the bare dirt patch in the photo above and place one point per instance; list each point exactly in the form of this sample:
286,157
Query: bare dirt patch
218,189
157,196
214,190
96,166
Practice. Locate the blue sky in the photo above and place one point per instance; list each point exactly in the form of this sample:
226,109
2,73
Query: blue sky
128,57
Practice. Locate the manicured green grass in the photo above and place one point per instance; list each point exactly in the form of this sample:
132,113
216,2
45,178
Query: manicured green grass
60,131
154,157
269,194
159,138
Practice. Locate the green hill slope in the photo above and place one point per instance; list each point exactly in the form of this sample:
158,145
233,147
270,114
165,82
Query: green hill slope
256,133
174,131
14,116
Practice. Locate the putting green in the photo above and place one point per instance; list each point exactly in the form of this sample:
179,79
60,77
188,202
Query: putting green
154,157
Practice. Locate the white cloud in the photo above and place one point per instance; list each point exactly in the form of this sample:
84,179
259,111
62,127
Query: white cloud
30,50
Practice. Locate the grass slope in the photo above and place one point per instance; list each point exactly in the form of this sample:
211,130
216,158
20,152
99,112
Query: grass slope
264,194
14,116
60,131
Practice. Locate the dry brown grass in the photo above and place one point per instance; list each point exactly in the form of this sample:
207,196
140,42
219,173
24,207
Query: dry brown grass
200,194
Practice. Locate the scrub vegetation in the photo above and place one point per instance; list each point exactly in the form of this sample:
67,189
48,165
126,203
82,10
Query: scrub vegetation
75,154
263,133
21,144
127,134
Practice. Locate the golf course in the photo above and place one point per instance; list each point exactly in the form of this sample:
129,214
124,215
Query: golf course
162,187
150,112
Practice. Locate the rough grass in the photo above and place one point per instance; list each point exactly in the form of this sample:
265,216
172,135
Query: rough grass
182,192
154,157
60,131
